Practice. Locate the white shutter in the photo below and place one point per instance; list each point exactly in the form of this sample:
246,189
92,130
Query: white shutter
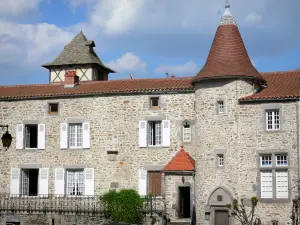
43,181
89,181
143,133
142,182
15,181
41,136
63,135
20,136
86,135
60,181
282,190
266,184
166,133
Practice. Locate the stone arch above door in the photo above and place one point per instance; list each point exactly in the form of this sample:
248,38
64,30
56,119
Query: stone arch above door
220,197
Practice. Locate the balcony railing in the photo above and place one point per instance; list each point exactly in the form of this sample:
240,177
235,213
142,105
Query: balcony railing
77,205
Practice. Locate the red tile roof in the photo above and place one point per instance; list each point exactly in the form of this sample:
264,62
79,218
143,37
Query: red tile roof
97,87
228,57
281,85
182,161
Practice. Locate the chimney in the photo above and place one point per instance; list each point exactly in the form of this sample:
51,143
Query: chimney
71,79
173,76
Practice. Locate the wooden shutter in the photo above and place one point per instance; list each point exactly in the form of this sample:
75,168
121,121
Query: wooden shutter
266,184
143,133
154,187
142,182
15,181
41,136
86,135
63,135
20,136
166,133
89,181
282,190
60,181
43,182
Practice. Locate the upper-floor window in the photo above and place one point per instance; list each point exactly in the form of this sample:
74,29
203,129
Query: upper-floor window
187,134
154,102
220,158
272,120
53,108
75,135
274,180
220,107
155,133
30,136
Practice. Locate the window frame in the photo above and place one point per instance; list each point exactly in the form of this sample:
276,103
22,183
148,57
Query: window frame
261,160
273,119
221,107
148,182
26,135
50,106
273,169
152,99
67,182
220,160
153,132
75,135
26,171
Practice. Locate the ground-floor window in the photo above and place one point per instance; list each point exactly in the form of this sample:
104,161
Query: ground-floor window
75,182
29,182
155,183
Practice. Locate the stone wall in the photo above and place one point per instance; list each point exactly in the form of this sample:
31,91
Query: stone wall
240,134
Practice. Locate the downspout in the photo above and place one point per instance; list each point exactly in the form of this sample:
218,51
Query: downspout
298,143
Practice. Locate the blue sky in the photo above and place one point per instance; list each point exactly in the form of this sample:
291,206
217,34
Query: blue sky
144,37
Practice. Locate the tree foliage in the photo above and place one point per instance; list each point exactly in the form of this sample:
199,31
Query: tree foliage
242,214
123,206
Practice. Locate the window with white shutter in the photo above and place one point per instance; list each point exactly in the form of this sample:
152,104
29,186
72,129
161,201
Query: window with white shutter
15,182
41,136
43,182
20,136
86,135
89,181
59,182
142,182
282,190
266,184
142,133
63,135
166,133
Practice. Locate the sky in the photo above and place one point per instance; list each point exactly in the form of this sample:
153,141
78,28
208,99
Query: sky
146,38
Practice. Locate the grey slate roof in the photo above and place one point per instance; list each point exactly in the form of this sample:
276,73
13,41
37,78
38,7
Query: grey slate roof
78,51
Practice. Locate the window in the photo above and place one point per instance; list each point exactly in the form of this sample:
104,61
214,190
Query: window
29,182
75,182
220,160
75,135
272,120
31,136
274,222
220,107
266,160
53,108
154,102
154,183
155,133
187,136
275,178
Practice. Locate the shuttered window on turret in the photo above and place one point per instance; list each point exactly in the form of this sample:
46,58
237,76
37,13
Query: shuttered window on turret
155,183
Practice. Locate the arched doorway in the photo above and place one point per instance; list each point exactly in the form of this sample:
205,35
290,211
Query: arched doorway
216,205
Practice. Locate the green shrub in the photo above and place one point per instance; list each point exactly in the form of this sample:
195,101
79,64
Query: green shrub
123,206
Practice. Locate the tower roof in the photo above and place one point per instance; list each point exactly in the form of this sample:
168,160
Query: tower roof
228,57
182,161
78,51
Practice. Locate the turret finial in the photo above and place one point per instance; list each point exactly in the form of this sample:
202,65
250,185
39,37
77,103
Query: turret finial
227,5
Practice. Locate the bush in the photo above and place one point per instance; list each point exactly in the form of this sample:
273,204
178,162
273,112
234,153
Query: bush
123,206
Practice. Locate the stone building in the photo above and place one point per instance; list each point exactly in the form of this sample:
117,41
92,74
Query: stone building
83,134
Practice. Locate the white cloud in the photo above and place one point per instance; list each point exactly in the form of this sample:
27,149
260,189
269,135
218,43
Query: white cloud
253,18
189,68
17,7
129,62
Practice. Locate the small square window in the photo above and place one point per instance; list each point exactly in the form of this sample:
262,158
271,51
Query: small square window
266,160
220,160
154,102
220,107
281,160
53,108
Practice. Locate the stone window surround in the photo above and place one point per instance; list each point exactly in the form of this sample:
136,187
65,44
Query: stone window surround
225,105
28,122
220,152
182,128
179,124
46,108
272,168
154,118
268,107
161,104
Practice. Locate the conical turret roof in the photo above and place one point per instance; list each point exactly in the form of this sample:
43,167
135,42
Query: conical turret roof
228,57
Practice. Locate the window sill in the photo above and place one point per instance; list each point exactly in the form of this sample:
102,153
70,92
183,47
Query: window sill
277,200
75,149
